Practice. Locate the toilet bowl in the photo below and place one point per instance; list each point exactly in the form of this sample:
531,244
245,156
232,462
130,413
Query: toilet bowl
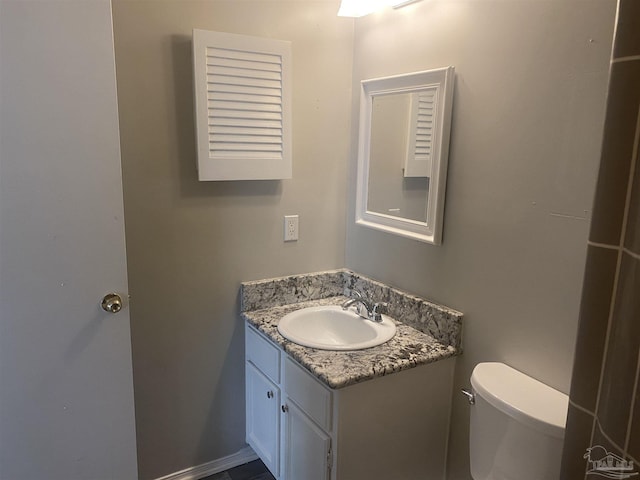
516,425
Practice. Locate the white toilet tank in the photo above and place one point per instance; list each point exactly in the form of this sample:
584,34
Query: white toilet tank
517,425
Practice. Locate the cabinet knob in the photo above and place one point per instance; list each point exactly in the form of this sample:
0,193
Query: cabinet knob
269,394
285,408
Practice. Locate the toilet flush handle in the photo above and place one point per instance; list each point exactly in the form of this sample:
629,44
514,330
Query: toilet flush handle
470,396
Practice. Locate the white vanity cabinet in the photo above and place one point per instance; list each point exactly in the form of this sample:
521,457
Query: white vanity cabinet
288,431
394,426
306,426
262,392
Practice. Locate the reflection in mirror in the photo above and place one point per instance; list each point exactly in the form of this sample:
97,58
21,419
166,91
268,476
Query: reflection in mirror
393,190
403,153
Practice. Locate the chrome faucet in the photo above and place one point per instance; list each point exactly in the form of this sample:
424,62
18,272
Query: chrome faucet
366,308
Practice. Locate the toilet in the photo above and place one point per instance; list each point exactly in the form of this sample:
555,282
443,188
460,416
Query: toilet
517,425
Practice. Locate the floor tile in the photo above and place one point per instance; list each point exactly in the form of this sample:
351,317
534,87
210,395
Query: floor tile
250,471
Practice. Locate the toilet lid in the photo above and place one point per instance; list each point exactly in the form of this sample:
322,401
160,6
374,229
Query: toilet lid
521,397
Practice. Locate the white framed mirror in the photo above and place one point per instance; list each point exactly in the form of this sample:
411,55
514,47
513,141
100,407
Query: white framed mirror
405,124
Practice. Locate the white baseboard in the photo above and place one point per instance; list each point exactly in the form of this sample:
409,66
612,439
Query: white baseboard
215,466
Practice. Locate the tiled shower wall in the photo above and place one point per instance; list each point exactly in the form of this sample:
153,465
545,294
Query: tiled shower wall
604,406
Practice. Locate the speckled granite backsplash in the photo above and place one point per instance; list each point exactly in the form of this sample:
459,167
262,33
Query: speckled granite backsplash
442,323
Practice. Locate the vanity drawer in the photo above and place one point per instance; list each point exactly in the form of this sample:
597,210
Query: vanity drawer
263,354
308,393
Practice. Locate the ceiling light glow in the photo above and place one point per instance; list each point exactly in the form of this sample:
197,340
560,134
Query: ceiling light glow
360,8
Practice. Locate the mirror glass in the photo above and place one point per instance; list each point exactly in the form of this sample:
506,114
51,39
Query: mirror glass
402,161
389,190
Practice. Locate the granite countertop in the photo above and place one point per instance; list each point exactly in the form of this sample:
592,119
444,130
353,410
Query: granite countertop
337,369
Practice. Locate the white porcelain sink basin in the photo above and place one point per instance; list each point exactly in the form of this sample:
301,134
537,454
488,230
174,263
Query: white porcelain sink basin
332,328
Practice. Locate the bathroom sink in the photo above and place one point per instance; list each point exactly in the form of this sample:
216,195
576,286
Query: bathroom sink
332,328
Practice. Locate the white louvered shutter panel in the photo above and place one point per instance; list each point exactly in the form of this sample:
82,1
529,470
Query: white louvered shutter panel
242,106
422,132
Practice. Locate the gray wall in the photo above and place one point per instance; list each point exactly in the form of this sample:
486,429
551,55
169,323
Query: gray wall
190,243
526,134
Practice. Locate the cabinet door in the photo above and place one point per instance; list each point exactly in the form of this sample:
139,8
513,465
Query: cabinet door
263,425
306,448
242,82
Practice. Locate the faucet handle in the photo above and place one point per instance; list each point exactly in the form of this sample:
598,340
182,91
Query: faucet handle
379,308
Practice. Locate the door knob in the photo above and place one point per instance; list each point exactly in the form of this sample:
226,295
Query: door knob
112,303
